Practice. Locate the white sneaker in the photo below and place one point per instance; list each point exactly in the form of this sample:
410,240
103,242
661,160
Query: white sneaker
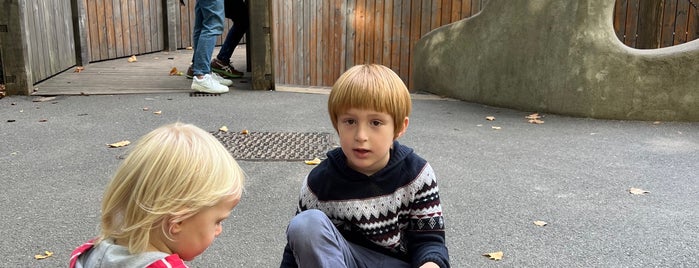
208,85
221,80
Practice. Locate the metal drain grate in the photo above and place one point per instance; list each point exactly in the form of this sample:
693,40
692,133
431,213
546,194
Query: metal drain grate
277,146
203,94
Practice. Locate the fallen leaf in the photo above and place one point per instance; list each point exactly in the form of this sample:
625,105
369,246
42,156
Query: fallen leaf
119,144
490,118
315,161
158,112
496,128
494,255
540,223
536,121
79,69
43,256
244,132
657,123
479,125
188,48
173,71
224,129
132,59
146,108
43,120
533,116
638,191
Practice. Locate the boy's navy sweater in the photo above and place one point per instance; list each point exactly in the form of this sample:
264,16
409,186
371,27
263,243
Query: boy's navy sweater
395,211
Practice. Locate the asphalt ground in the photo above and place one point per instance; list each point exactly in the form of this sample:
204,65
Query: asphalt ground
573,173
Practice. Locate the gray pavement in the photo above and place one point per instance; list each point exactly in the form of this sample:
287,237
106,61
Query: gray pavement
573,173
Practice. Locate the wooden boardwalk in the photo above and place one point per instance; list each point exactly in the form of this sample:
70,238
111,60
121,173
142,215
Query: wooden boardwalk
149,74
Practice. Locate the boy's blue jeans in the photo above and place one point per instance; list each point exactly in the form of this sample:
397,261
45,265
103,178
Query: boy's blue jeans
315,242
208,25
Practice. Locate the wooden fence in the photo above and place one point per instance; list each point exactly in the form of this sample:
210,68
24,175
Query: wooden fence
314,41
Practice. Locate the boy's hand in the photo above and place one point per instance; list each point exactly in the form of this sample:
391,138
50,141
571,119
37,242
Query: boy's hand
429,265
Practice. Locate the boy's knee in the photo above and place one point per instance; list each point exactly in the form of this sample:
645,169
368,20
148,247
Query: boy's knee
306,223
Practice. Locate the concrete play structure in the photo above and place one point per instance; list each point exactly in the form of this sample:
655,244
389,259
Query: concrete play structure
559,57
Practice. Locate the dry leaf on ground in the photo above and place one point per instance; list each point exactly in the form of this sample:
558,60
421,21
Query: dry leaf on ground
132,59
315,161
223,129
536,121
174,71
496,128
638,191
540,223
490,118
494,255
188,48
43,256
119,144
244,132
79,69
533,116
158,112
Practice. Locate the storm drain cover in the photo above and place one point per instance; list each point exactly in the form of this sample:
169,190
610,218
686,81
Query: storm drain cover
277,146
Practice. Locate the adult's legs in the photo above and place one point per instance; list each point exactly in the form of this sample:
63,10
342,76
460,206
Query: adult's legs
208,25
241,22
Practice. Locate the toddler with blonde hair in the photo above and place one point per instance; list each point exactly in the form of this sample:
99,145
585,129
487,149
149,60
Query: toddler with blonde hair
166,202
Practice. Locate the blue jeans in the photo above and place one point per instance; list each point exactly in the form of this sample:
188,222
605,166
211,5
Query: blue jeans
236,10
313,241
208,25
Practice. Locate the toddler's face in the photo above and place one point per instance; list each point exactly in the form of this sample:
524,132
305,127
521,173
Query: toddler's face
195,234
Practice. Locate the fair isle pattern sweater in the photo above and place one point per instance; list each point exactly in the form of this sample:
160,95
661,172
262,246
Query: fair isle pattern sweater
395,211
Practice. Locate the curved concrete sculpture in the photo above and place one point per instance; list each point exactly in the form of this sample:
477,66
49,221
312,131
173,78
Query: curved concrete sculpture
558,57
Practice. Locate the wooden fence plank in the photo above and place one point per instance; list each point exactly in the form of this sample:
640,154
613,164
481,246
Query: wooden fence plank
378,32
620,18
396,35
693,25
681,23
667,32
109,26
125,28
387,42
118,31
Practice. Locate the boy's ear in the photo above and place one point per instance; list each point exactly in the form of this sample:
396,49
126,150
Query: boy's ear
405,127
174,227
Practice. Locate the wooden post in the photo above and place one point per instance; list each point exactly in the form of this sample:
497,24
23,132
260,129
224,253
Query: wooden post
260,40
14,47
172,14
81,36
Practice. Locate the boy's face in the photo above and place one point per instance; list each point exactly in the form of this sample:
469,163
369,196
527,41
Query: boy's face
366,137
195,234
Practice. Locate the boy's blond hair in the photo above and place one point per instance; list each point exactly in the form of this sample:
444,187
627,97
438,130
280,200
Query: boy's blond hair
374,87
172,173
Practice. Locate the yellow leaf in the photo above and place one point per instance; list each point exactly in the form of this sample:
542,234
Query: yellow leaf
638,191
494,255
533,116
315,161
490,118
244,132
188,48
43,256
173,71
158,112
132,59
223,129
119,144
496,128
536,121
79,69
540,223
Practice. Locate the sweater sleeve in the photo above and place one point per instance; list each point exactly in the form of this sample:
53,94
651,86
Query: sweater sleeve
425,234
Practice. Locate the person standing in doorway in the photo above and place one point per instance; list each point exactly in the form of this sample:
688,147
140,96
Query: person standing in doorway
237,11
208,25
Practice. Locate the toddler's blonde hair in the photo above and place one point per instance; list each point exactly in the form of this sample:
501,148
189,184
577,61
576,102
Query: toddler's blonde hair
172,173
374,87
